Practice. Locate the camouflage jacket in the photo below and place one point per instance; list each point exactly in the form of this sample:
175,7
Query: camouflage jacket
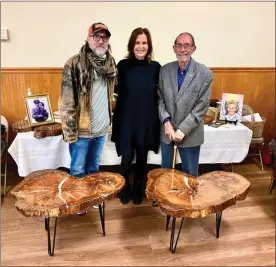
74,104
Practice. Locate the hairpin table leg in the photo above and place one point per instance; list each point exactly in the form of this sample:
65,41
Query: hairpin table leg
172,244
218,220
101,211
51,247
168,222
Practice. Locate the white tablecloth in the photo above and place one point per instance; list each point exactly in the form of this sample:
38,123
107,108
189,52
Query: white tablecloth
227,144
32,154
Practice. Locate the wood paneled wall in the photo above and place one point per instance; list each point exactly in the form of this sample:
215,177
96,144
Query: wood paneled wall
257,85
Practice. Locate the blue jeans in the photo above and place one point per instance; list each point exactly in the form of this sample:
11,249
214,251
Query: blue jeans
189,158
86,155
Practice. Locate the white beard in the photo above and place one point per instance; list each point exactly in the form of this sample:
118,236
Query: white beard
100,51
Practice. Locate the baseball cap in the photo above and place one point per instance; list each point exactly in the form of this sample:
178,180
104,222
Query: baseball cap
98,27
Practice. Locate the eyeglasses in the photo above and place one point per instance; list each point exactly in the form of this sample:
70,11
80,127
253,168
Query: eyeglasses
179,46
97,38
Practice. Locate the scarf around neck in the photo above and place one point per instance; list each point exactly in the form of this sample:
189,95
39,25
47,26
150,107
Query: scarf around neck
90,62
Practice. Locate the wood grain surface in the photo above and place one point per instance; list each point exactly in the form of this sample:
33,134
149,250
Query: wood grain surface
51,193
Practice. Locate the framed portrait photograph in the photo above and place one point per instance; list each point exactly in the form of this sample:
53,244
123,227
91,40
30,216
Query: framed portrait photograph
39,110
231,107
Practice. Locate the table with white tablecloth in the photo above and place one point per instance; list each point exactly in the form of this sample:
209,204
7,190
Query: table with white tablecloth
226,144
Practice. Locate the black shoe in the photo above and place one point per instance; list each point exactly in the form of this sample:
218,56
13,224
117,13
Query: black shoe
138,192
125,195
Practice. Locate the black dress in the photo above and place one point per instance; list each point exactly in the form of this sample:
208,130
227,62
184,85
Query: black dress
135,118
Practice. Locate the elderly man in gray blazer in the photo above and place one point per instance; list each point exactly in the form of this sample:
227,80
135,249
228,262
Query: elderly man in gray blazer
184,95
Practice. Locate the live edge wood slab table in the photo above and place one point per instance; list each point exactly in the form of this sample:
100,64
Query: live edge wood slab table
51,193
181,195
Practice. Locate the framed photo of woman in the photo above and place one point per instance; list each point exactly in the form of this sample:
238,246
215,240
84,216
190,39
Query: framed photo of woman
231,107
39,110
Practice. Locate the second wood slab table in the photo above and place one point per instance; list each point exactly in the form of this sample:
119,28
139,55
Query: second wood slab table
51,193
181,195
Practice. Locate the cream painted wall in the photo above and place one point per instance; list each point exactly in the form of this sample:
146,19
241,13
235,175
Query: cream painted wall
46,34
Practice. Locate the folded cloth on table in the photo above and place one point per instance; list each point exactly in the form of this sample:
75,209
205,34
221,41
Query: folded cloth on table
257,117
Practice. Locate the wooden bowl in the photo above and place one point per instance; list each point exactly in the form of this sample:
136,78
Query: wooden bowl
22,126
208,119
47,130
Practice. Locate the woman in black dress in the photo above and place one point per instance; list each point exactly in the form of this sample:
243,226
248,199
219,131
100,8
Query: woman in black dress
136,126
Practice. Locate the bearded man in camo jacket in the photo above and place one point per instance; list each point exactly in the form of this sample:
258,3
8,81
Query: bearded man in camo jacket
85,103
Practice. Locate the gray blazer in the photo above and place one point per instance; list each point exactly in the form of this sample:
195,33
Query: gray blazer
187,107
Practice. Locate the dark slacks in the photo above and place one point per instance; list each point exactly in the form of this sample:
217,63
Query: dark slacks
141,155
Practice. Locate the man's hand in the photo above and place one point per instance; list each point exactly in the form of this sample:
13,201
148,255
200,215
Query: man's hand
169,130
179,135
